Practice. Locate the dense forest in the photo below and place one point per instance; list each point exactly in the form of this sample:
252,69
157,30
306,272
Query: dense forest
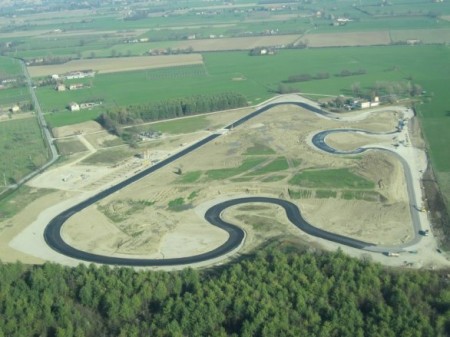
280,291
170,109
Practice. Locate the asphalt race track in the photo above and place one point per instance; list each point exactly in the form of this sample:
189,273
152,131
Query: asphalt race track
52,232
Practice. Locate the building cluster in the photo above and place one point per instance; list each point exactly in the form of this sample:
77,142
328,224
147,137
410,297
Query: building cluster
367,104
72,75
7,83
76,86
73,106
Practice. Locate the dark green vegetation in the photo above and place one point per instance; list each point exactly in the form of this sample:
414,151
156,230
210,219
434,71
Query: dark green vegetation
22,149
178,204
113,120
280,291
172,109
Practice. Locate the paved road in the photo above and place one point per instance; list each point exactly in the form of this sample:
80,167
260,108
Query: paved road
319,141
52,233
44,129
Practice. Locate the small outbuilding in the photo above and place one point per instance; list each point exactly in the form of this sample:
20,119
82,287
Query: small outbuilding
74,106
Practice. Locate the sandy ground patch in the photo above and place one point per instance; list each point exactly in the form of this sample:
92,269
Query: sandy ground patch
352,141
368,221
12,227
7,117
110,65
347,39
80,128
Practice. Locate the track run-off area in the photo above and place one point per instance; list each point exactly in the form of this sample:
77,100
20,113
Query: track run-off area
236,236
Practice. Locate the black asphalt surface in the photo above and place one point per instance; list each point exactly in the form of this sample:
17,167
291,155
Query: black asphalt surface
52,232
319,141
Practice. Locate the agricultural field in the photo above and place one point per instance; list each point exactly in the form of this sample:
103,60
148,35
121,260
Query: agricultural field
22,149
9,67
113,65
12,89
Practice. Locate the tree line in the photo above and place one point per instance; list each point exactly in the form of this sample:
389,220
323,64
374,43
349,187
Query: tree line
279,291
304,77
178,107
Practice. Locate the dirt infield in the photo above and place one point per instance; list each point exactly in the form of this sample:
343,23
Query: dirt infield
347,39
111,65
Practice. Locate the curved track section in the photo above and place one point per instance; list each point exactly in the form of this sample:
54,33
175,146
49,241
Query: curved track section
319,141
52,232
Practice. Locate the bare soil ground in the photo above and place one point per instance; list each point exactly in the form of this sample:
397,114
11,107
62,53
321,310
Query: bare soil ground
81,128
12,227
110,65
161,215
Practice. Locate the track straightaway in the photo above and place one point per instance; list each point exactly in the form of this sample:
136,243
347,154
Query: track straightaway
52,232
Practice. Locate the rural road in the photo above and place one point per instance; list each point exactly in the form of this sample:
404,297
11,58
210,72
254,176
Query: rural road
48,139
52,232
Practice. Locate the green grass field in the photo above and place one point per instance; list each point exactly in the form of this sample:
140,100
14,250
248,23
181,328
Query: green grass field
109,156
185,125
391,63
259,150
9,67
247,164
12,96
333,179
278,164
57,119
22,149
189,177
17,200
